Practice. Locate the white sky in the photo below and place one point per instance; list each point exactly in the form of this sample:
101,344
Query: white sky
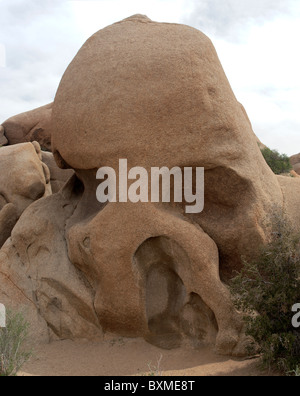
257,42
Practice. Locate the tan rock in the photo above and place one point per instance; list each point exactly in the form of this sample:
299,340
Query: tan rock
291,191
156,95
295,159
23,179
58,176
8,219
16,299
296,168
3,140
35,272
294,174
31,126
168,105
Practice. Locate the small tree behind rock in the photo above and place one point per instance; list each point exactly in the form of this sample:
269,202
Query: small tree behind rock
279,163
266,290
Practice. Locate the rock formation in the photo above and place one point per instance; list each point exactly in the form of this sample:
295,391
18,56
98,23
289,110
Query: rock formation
30,126
24,178
33,126
155,94
3,140
58,176
296,168
295,161
294,174
260,144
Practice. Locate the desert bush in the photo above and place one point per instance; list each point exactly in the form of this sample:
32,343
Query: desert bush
296,372
279,163
154,370
13,352
266,290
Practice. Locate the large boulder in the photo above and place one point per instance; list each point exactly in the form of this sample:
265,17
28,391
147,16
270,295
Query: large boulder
156,95
24,178
158,104
31,126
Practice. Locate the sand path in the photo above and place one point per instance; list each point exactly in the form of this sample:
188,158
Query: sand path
127,357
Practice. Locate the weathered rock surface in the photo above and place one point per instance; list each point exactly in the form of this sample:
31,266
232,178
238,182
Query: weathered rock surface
58,176
156,95
296,168
294,174
3,140
24,178
295,161
34,125
35,271
169,105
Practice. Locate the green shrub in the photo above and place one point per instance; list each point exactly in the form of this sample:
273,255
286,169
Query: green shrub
279,163
13,353
266,290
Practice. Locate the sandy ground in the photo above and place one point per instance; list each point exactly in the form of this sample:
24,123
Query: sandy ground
129,357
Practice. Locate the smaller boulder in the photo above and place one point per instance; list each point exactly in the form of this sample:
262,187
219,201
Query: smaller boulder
295,159
24,178
58,176
31,126
295,174
296,168
3,140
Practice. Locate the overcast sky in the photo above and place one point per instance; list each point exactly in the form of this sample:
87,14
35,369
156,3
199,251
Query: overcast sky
257,42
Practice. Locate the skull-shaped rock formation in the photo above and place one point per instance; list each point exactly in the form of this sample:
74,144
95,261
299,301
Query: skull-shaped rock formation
31,126
156,95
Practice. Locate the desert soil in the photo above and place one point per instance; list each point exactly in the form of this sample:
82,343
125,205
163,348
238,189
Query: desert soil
129,357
